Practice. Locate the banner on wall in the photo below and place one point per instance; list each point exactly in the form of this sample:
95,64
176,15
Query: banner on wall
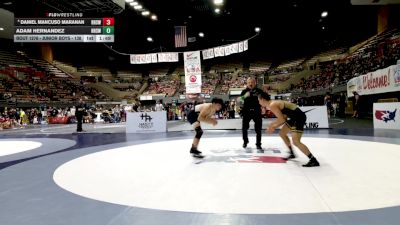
168,57
146,122
154,58
380,81
208,53
317,117
386,115
225,50
174,56
192,66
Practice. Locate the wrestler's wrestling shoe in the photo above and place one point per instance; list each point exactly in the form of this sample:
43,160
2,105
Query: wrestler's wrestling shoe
312,163
196,153
290,156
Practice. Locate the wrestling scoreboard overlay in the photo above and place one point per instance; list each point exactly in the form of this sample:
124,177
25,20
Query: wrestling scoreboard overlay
64,30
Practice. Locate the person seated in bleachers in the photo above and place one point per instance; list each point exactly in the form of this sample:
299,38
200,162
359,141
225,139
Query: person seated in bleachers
106,116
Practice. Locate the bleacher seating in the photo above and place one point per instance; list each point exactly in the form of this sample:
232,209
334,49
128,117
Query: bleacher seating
326,56
259,66
163,85
378,52
24,82
64,66
49,68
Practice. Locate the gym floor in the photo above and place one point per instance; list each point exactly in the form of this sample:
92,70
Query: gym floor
52,175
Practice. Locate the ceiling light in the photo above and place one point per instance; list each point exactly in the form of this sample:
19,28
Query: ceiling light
149,39
127,1
257,29
7,3
145,13
217,10
137,7
218,2
201,34
1,28
153,17
323,28
133,3
324,14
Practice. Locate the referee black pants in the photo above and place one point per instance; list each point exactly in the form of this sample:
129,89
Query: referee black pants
256,117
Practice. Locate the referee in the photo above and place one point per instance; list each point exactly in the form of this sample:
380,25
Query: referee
251,111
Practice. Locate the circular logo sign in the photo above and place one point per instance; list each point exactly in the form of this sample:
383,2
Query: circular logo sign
192,78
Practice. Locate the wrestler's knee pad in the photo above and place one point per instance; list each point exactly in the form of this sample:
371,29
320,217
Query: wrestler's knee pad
199,132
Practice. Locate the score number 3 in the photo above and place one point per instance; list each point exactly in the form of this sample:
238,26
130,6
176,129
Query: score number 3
108,21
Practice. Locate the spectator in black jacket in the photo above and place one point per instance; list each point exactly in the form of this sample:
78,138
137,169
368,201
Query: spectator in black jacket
79,113
356,106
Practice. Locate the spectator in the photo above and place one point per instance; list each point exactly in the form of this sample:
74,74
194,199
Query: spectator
159,106
80,110
342,105
356,106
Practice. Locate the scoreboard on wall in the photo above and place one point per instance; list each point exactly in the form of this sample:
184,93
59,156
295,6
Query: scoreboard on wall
66,29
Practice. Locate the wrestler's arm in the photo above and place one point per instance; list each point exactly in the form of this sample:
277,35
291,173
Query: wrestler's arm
280,117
